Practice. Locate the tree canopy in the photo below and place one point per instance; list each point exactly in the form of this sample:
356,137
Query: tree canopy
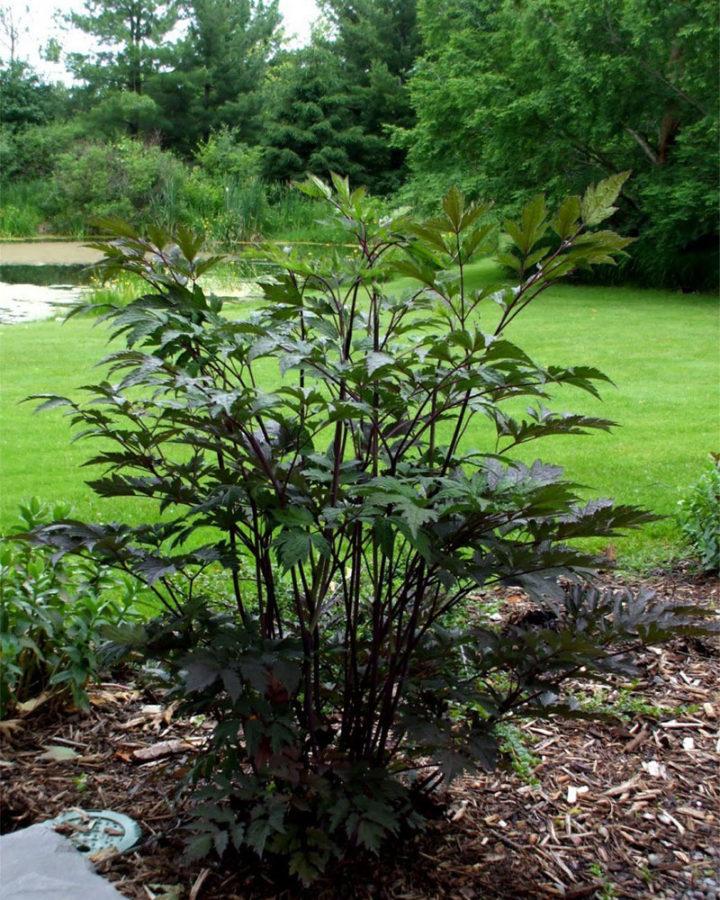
505,98
514,98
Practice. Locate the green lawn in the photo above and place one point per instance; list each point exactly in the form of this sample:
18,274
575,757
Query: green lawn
660,348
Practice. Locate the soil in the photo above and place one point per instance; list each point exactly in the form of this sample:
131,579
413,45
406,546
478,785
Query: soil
623,807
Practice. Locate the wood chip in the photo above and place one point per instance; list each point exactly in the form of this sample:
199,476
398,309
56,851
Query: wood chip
164,748
622,788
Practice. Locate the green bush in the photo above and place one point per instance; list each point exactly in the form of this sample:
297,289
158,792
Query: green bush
224,191
223,156
243,214
52,614
700,517
35,151
124,178
322,451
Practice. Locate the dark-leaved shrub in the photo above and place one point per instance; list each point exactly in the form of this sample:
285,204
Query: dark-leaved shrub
346,453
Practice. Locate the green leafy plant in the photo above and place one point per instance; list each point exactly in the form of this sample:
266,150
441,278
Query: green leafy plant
607,889
52,614
699,517
513,743
346,453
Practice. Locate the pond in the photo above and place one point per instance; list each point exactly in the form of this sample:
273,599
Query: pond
38,279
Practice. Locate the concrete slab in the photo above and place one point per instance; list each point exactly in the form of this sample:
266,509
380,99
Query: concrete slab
37,863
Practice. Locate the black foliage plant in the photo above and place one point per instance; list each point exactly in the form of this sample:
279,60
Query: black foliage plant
345,454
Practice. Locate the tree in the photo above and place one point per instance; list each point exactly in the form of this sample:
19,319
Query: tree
12,28
24,98
135,38
310,126
350,85
220,68
511,98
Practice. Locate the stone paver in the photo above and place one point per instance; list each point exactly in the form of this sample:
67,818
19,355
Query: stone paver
36,863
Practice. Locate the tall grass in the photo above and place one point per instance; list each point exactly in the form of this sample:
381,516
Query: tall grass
295,217
20,208
230,211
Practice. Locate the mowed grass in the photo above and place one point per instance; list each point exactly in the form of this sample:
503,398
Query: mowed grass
661,349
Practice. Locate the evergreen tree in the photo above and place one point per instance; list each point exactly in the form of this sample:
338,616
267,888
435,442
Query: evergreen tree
133,37
220,69
311,129
336,100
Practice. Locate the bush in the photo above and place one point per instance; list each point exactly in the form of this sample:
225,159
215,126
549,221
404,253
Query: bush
357,515
125,178
52,613
700,517
225,191
223,157
34,151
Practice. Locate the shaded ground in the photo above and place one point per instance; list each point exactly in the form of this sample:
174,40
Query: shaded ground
623,808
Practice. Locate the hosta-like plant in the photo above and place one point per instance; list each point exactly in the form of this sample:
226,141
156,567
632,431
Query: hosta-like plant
345,450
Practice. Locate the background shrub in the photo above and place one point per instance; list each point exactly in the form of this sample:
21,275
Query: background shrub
224,156
124,178
21,211
36,151
700,517
52,617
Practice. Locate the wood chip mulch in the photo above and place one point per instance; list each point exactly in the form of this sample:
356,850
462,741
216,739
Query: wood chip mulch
625,807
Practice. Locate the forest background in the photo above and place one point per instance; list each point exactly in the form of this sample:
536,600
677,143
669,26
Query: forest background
203,112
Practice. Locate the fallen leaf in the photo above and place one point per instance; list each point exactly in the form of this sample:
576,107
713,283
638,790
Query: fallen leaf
459,812
32,704
103,855
197,887
54,753
9,726
621,788
167,891
667,819
170,711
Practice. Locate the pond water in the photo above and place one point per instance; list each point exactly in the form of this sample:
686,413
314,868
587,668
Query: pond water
38,279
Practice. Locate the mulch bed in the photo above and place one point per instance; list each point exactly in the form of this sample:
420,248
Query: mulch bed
617,808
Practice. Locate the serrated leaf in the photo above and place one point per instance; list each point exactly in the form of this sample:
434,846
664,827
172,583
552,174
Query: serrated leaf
199,675
257,834
597,203
293,547
375,361
565,222
454,204
370,835
305,869
220,841
198,847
